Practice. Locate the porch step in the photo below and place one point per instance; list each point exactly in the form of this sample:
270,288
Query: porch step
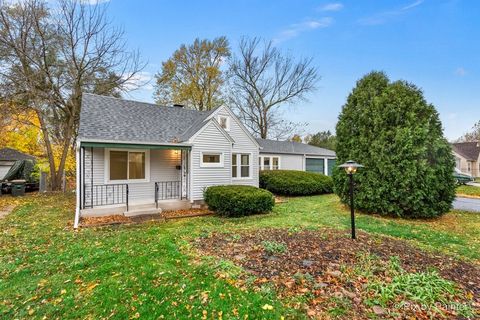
142,211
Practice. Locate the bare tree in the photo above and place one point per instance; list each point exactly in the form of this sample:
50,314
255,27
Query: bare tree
51,56
262,81
473,135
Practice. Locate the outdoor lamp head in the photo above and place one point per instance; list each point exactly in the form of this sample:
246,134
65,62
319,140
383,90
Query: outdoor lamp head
351,170
350,166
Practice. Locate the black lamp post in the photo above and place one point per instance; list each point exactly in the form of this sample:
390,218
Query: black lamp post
351,168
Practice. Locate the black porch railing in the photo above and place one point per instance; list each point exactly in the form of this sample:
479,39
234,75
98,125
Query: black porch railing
165,190
105,194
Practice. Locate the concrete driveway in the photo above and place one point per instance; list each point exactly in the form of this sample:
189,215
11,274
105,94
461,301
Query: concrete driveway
467,204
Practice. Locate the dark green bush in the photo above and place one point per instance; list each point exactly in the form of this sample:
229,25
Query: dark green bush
397,135
237,201
295,183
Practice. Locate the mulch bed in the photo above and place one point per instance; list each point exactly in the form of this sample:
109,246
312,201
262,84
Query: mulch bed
103,221
121,219
329,256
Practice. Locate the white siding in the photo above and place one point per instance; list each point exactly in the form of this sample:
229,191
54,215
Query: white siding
211,139
162,168
288,161
243,144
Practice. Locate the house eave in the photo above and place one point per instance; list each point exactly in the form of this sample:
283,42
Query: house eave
299,154
98,143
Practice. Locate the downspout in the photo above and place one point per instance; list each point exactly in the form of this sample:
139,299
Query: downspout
77,188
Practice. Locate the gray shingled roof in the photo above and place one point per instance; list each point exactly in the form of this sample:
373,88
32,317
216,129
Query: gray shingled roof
290,147
112,119
9,154
470,150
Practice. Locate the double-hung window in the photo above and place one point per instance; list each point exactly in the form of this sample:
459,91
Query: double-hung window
266,163
125,165
241,165
269,163
275,163
234,166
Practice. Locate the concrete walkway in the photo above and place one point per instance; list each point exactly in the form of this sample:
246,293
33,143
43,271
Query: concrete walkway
474,184
467,204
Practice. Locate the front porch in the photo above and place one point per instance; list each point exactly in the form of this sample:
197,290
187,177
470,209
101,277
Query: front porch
130,179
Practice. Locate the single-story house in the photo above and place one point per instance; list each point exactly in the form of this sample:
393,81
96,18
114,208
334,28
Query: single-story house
135,158
290,155
467,157
8,156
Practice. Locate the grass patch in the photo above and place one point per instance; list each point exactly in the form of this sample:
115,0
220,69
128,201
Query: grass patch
422,287
472,191
48,270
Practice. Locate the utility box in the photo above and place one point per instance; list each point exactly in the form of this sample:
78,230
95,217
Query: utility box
18,188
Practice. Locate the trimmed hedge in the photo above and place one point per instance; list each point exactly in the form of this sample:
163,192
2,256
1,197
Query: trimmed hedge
238,201
295,183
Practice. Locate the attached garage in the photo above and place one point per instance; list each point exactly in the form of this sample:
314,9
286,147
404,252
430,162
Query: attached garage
290,155
331,164
315,165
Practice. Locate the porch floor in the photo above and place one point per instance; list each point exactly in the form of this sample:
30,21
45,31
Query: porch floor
136,209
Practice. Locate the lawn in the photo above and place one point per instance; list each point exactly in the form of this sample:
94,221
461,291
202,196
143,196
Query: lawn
470,191
154,270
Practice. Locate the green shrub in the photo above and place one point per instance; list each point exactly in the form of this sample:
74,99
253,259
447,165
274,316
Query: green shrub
273,247
295,183
397,135
237,201
422,287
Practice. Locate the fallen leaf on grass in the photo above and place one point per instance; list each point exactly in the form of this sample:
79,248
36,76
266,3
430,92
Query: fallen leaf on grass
267,307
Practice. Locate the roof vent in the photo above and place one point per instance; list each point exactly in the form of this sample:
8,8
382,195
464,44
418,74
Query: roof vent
178,105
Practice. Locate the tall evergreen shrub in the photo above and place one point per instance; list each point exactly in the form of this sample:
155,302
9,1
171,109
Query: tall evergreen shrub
397,135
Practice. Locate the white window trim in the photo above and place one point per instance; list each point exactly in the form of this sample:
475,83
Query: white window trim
210,164
107,166
239,167
262,166
220,123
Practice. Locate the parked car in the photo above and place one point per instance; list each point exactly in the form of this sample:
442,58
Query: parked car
21,170
462,178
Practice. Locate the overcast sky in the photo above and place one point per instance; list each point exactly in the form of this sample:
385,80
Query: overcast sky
431,43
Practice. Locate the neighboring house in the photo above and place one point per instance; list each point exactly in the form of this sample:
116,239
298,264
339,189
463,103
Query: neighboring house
132,155
8,156
289,155
467,157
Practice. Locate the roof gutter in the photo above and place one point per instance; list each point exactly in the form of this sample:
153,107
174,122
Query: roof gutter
131,144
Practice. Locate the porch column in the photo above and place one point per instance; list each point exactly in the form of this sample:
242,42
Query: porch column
185,175
78,186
